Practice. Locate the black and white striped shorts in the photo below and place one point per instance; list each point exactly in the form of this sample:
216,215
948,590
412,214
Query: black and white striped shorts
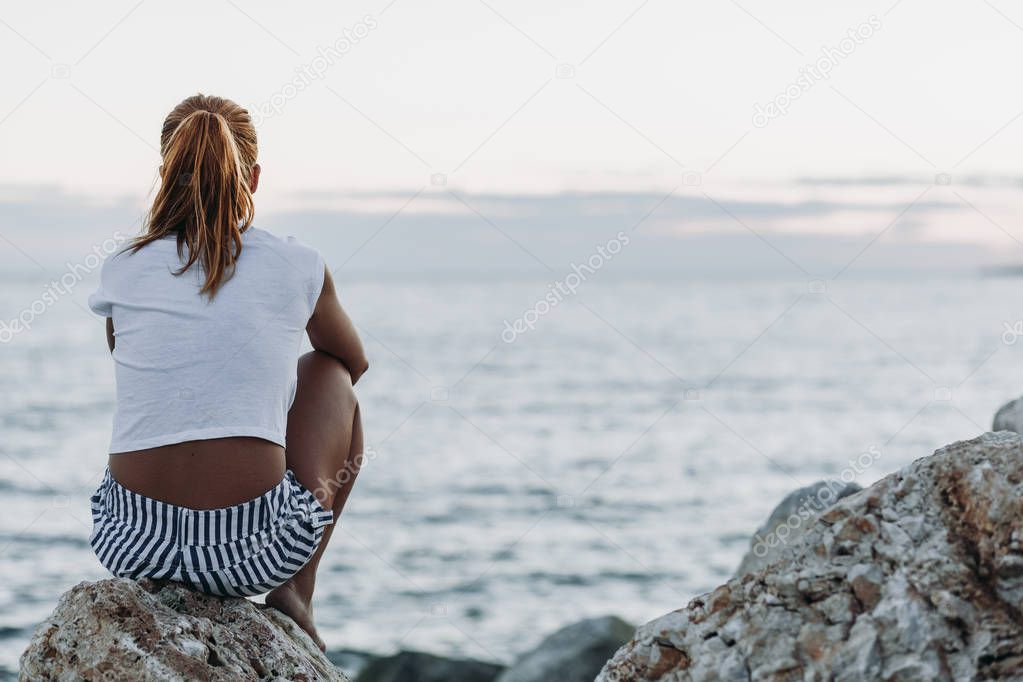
243,550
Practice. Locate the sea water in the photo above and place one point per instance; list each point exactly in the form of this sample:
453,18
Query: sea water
613,457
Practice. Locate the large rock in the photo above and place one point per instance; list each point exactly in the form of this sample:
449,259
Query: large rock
1009,417
574,653
119,629
920,577
789,521
415,666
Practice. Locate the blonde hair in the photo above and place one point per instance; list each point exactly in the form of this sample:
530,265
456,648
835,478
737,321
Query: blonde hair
208,145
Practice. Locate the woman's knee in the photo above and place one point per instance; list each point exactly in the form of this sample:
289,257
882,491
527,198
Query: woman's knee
328,378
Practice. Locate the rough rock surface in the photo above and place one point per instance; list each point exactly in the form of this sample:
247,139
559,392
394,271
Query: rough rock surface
919,577
1009,417
119,629
414,666
789,520
574,653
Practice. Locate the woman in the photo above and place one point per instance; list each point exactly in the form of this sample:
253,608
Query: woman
231,457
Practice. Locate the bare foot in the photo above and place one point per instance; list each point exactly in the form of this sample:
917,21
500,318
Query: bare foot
288,601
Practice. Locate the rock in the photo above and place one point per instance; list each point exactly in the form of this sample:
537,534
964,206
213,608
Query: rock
789,521
414,666
919,577
572,654
120,629
1009,417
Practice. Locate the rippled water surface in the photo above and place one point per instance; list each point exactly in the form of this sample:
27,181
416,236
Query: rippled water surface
614,459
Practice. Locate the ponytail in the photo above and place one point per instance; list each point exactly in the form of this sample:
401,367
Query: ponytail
204,199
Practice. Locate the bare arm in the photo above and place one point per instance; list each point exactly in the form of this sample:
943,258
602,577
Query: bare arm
332,331
110,333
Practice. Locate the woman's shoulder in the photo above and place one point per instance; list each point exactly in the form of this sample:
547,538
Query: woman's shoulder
261,237
289,249
119,275
126,256
305,263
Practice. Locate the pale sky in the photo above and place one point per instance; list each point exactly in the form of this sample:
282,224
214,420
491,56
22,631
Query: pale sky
470,89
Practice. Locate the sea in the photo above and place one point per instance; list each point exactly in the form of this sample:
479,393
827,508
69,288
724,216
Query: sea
531,464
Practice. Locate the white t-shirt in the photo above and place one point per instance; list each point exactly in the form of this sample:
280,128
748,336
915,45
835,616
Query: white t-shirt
191,368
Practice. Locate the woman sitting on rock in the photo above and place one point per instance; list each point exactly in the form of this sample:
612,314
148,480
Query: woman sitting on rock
231,456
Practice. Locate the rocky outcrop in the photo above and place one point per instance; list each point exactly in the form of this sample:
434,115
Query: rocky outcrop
415,666
919,577
574,653
119,629
1009,417
789,521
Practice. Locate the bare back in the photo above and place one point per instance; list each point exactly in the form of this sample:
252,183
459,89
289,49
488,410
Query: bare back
202,474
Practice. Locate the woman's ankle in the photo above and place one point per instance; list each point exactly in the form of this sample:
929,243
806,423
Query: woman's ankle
302,585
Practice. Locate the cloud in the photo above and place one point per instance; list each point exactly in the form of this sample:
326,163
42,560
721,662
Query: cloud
690,231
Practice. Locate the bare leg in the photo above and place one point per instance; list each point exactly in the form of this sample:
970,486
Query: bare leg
325,452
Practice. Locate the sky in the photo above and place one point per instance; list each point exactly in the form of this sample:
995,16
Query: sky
362,105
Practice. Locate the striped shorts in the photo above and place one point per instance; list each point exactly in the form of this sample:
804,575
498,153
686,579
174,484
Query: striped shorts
237,551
